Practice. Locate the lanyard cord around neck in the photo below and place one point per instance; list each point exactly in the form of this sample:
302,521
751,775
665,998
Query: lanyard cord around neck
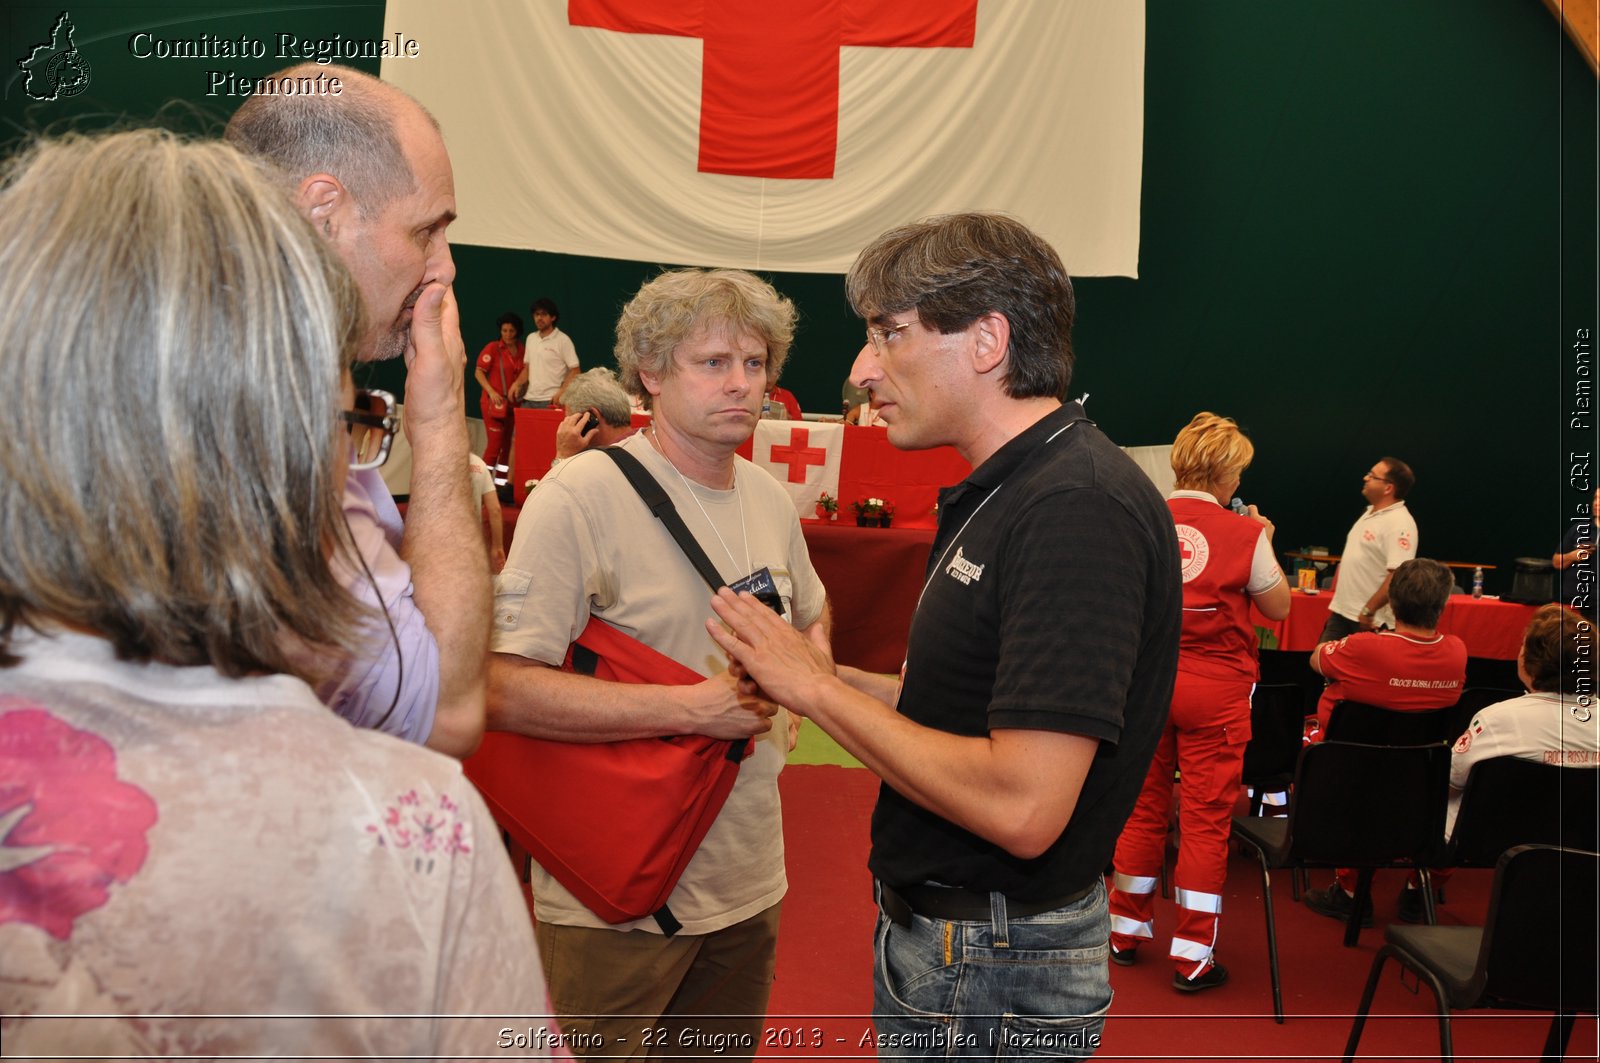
738,497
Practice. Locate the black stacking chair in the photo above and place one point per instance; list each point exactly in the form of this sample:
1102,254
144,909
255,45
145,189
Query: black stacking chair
1374,725
1510,801
1277,727
1357,806
1529,954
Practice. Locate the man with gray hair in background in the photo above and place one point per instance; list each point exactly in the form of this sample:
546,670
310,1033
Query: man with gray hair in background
368,167
600,414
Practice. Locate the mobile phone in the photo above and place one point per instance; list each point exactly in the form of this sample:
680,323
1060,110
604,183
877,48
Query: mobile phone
590,423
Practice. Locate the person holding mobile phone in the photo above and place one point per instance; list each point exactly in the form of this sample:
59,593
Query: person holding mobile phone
598,414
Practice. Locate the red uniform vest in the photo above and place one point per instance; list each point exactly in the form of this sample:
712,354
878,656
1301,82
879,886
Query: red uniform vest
1217,548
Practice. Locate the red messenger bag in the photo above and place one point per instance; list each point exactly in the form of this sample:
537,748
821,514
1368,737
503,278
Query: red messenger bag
614,822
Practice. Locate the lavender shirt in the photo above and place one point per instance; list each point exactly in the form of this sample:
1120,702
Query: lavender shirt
365,690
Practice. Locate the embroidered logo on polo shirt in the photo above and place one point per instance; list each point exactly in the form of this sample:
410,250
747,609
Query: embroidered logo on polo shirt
964,570
1193,550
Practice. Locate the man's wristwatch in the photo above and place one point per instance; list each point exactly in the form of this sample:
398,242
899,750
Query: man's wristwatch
1366,612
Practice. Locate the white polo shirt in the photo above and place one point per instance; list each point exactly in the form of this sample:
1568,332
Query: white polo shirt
549,358
1379,541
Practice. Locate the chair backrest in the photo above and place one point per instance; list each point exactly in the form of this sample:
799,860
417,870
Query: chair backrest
1509,801
1368,806
1277,723
1356,721
1538,948
1475,698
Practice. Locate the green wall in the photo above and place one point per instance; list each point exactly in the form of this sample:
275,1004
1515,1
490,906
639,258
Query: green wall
1368,228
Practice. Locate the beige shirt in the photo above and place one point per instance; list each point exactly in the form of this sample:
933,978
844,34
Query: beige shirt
176,845
585,543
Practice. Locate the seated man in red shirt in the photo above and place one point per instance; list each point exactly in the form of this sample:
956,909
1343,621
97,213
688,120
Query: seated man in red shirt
1410,669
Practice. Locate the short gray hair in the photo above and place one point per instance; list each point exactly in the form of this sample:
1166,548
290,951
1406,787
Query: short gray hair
598,388
351,136
173,347
1419,590
673,306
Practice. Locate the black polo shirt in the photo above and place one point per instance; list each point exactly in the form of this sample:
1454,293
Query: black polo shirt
1053,603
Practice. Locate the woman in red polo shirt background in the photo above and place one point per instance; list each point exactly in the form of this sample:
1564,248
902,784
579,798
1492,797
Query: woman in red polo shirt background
499,365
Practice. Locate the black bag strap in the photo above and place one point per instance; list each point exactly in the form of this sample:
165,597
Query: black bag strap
655,496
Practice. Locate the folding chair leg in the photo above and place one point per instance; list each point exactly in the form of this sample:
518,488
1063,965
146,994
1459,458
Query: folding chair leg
1363,898
1555,1045
1272,942
1366,1004
1430,914
1447,1051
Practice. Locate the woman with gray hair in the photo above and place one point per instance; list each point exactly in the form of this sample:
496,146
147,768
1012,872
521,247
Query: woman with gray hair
187,831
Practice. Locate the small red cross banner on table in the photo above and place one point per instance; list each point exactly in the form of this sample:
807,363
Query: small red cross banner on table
801,455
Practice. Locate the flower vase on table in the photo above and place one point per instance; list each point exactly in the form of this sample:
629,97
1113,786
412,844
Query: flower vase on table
872,512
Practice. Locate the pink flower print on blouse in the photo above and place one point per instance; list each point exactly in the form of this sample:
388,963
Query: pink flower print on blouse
423,828
69,828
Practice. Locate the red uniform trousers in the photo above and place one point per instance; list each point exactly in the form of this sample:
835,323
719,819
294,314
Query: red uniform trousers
1204,740
497,424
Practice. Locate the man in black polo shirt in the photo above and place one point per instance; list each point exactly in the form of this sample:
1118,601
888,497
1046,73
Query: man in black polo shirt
1040,660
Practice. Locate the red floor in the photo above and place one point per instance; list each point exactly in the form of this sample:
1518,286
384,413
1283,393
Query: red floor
824,986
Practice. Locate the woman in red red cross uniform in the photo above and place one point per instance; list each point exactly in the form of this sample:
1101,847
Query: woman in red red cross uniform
498,369
1227,563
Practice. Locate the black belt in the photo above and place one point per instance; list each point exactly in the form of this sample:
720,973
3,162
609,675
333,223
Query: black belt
962,905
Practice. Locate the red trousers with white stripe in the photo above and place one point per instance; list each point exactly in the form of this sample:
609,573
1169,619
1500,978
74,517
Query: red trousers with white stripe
1204,741
497,451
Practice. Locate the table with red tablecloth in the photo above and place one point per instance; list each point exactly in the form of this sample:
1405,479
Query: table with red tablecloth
873,577
1490,628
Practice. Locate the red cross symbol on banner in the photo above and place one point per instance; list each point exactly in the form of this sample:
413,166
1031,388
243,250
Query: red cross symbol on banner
769,89
797,455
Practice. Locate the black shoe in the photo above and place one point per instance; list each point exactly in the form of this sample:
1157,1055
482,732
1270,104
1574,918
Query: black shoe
1335,903
1213,976
1412,909
1124,957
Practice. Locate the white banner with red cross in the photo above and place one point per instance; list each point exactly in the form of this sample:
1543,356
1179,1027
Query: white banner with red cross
801,455
782,134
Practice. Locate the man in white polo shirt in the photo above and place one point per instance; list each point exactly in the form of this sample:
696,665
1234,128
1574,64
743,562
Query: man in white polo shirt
551,361
1380,540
